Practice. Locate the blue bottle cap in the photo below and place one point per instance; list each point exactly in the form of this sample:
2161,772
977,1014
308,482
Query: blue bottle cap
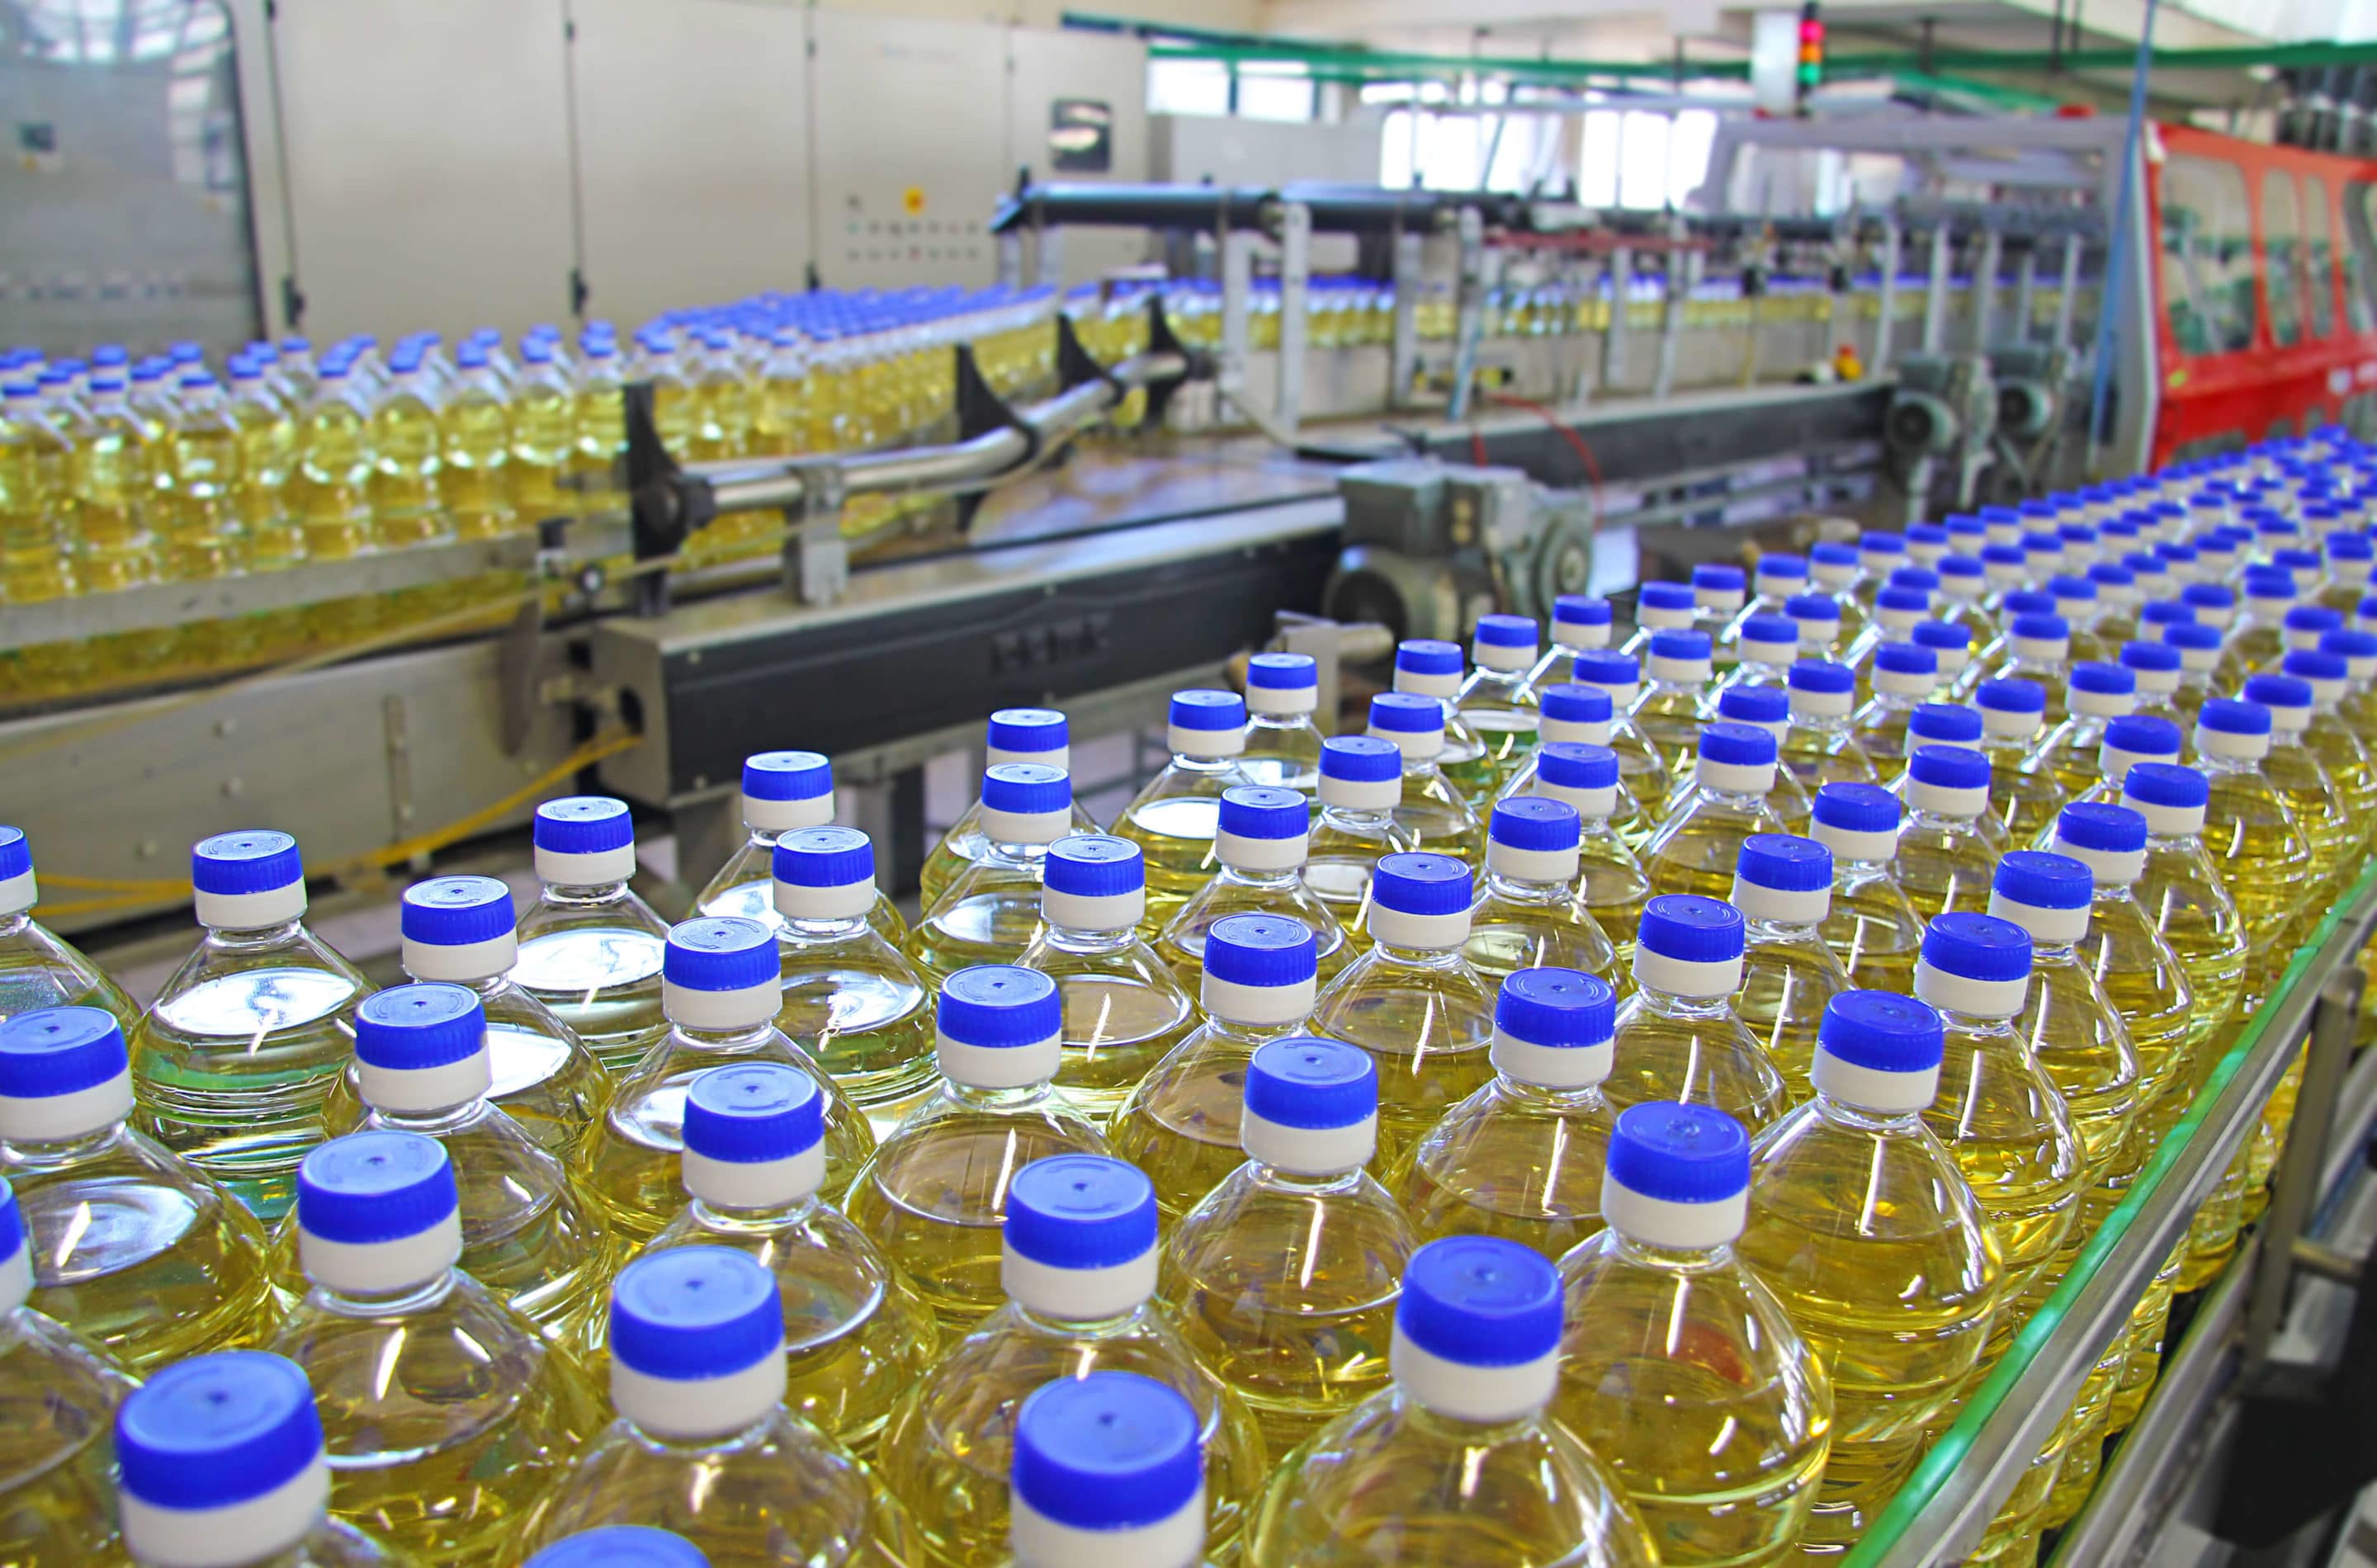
1691,928
2317,619
2160,657
1421,884
455,912
2041,628
1261,950
412,1028
1813,607
2116,830
2110,680
2011,696
1579,609
1110,1451
2030,602
2079,590
583,824
17,855
1028,730
1940,635
1977,946
1857,807
2003,555
1577,704
1606,667
1906,658
1405,712
786,775
1906,601
1772,631
1883,1032
1425,656
1736,744
1683,647
2143,735
2277,691
2351,548
1576,765
1506,631
1480,1301
621,1546
2109,574
1080,1212
376,1186
1026,789
1754,705
1001,1005
2312,665
251,861
2042,881
1718,577
1534,822
823,858
2262,584
2166,783
1679,1153
1260,811
2351,644
1311,1084
1282,672
2185,636
1213,711
1830,553
1948,767
1785,863
1821,677
1949,724
2230,716
719,953
1918,580
693,1313
1360,758
53,1051
214,1430
1780,566
1964,569
2207,596
1665,596
753,1112
1556,1008
1096,866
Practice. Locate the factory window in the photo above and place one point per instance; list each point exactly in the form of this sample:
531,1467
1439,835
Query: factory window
2208,255
2282,256
1187,87
1475,145
1274,93
1642,158
2318,256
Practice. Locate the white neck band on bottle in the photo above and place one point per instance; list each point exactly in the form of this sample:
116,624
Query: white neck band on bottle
1552,1067
1242,853
698,1407
1077,1294
1361,795
274,906
1821,704
1574,732
1501,656
255,1529
2011,723
1696,981
2167,822
998,1066
1444,688
2107,868
798,901
1892,1093
1205,745
1667,671
2047,928
755,1184
1958,993
1663,1222
1177,1542
787,816
1593,805
1417,746
744,1009
74,1114
1855,843
462,963
377,1267
1261,1006
2102,704
1532,865
2288,721
1308,1151
1577,638
1787,907
2228,743
1942,800
1431,933
1085,912
18,893
2199,661
1281,701
409,1091
2040,649
593,869
1057,757
1905,683
1472,1393
1026,826
1735,778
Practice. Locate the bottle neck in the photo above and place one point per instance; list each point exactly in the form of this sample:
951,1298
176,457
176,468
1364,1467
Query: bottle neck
1828,725
1306,1183
1523,890
1542,1097
781,1216
1207,766
820,933
973,1098
723,1039
1840,1113
1417,957
1673,1006
14,925
1274,881
399,1302
1680,1260
1061,1326
243,938
584,893
1244,1032
49,1153
1027,855
1780,931
1072,938
438,1124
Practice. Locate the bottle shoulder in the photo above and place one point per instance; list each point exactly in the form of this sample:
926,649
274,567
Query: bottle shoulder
1347,1241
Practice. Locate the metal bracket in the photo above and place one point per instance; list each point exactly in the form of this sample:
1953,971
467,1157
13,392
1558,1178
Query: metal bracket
665,504
1161,338
981,410
1075,363
817,555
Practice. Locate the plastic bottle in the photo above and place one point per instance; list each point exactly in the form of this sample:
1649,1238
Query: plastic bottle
1819,748
267,456
703,1445
1283,1277
1877,554
1679,1369
222,1465
990,911
237,1057
1522,1157
334,461
1642,768
457,930
1497,702
1457,1458
1951,648
1668,714
444,1415
1819,618
1016,734
423,1064
1693,849
37,503
406,446
857,1334
545,429
2259,844
621,1546
1658,606
2076,600
57,1496
783,792
598,421
2359,652
1412,1000
2199,654
1173,817
589,948
1784,888
1765,646
2180,895
1719,592
2295,772
38,968
198,522
1124,1010
1530,912
849,999
1679,1037
931,1195
1580,624
1425,668
1944,863
136,1248
1866,1230
475,476
1611,880
2332,740
720,991
1179,1124
2038,648
2258,638
1108,1468
1869,924
2127,741
1283,749
1261,840
110,468
1078,1270
1765,707
1429,806
1361,783
2099,694
2025,796
1774,580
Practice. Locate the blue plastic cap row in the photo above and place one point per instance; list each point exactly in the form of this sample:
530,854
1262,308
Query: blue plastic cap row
1737,745
1785,862
1111,1451
1260,811
217,1430
1403,712
2012,696
2043,881
1679,1153
254,860
823,858
375,1186
2094,825
1096,866
1565,1008
1001,1005
1977,946
1421,884
1691,928
1577,704
1754,705
719,953
1506,631
1080,1212
409,1028
1028,730
1026,789
1261,950
1534,822
787,775
2167,784
1480,1301
1282,672
1360,758
1882,1031
59,1050
1425,656
1821,677
1309,1083
685,1314
753,1112
1215,711
1857,807
1568,764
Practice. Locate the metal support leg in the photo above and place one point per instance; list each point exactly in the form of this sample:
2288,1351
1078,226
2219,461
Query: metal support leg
2069,298
1613,341
1985,289
1049,264
2025,290
890,811
1935,292
1892,240
1683,275
1403,356
817,555
707,833
1010,259
1469,311
1295,272
1238,303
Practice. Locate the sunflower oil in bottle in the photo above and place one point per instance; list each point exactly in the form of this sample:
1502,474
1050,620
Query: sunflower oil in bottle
2358,649
1659,607
1869,924
2099,694
1679,1037
783,792
1426,667
38,968
847,998
702,1444
199,526
2305,784
1944,862
1108,1468
475,429
1413,1001
1283,748
1838,576
237,1057
459,931
1719,592
221,1460
1774,580
1570,714
1696,848
2180,895
1580,624
1819,618
1522,1157
2128,741
1766,708
589,948
334,471
2259,636
1458,1460
2077,601
1784,888
1819,748
934,1192
36,500
1951,649
445,1416
1610,878
1642,767
1180,1123
1531,912
1429,807
1361,784
1866,1230
1668,714
1678,1368
2025,796
720,991
133,1247
1496,701
1124,1009
2330,739
1283,1277
1764,648
1261,840
406,448
2038,648
598,423
111,468
1016,734
1895,619
426,1063
2199,654
856,1336
990,911
61,1391
1940,723
544,431
2258,843
1174,818
1078,1263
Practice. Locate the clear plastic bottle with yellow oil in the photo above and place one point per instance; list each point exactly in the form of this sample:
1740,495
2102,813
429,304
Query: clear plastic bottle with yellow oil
475,428
1897,613
1819,748
1694,849
1766,708
1460,1451
1283,749
446,1416
1764,648
1611,879
2127,741
112,470
1426,667
720,991
1173,818
1642,769
407,457
1261,840
1283,1278
1531,911
1944,862
237,1057
990,911
1784,888
2099,694
857,1334
1109,1462
1774,580
2329,739
589,948
1819,618
1428,806
1038,736
545,432
1497,702
1657,1303
61,1471
783,792
1867,1232
38,968
1124,1007
2038,648
2024,797
1869,924
1580,624
2259,844
36,500
2295,771
1522,1157
2199,654
1668,714
1677,1036
1079,1265
1361,784
1659,607
848,998
1951,646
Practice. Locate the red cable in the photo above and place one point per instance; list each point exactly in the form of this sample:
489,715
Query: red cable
1478,446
